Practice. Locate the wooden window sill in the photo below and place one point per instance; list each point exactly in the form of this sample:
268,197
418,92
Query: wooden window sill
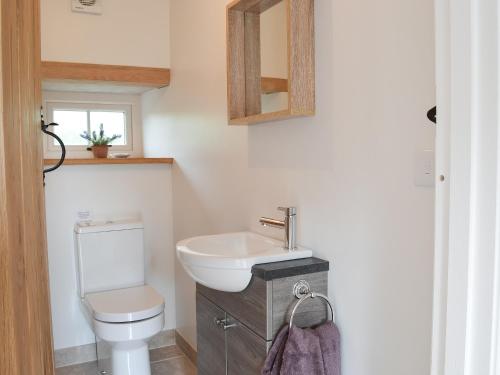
111,161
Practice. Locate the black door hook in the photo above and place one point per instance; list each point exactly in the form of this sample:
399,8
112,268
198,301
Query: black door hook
59,140
432,115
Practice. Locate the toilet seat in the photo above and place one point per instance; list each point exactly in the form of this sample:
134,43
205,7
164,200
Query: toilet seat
125,305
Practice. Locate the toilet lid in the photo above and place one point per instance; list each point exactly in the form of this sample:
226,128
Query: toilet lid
125,305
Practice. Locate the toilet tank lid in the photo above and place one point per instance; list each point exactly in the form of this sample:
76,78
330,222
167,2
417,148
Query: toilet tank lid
107,226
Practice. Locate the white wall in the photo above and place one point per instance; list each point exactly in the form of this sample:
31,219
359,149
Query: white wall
129,32
108,192
349,169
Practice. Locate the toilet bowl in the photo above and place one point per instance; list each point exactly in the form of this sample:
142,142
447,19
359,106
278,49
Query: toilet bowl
120,307
127,319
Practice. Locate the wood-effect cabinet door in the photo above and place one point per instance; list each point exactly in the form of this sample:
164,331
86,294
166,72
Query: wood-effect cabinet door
211,338
246,351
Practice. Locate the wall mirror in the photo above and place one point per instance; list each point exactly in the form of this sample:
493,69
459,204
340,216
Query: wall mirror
270,53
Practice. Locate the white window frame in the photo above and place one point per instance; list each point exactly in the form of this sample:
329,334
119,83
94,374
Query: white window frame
89,107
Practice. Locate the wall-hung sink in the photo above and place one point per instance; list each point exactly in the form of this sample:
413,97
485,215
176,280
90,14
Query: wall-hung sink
224,261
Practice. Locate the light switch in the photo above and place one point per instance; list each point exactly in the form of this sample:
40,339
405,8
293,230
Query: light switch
424,168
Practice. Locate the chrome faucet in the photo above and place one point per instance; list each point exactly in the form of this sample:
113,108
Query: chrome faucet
289,225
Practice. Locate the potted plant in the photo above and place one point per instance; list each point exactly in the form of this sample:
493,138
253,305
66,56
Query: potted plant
99,145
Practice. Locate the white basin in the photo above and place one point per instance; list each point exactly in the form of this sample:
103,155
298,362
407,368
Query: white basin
224,261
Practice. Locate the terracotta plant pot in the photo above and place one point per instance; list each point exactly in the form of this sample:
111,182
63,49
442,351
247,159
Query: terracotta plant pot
100,152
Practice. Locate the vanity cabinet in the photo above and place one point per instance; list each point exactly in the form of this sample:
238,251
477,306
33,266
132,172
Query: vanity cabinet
235,330
212,359
236,350
246,351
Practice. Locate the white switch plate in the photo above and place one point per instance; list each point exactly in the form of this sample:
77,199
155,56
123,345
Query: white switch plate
424,168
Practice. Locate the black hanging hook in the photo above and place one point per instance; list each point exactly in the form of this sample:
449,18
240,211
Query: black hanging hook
432,115
59,140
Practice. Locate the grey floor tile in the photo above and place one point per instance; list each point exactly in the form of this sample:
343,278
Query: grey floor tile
89,368
78,354
174,366
164,353
165,361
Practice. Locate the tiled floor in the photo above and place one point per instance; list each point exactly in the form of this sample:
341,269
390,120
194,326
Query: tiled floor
164,361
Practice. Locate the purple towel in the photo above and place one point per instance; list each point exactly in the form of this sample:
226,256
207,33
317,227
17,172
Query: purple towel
305,351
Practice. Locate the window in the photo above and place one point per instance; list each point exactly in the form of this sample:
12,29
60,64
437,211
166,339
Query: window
76,118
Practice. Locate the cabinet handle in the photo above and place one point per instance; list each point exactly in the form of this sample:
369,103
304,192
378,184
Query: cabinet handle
227,326
223,323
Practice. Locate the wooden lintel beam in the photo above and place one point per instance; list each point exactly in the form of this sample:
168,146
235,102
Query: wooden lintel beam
128,75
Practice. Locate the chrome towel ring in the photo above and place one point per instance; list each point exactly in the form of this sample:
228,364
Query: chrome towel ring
306,297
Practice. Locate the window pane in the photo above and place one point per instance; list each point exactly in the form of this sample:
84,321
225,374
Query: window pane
71,125
113,123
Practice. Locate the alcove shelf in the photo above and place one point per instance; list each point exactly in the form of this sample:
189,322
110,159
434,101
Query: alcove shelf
270,85
68,76
110,161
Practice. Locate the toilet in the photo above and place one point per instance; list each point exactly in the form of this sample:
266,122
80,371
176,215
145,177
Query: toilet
120,307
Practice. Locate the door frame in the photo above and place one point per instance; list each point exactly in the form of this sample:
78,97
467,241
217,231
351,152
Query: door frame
466,332
25,321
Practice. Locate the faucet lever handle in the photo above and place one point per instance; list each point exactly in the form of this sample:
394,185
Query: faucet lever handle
289,211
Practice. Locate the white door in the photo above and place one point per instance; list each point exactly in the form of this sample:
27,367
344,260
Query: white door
467,268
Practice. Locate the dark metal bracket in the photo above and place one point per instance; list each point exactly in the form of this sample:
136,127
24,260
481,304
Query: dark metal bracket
59,140
432,115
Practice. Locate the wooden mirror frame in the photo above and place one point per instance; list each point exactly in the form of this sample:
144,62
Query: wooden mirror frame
244,81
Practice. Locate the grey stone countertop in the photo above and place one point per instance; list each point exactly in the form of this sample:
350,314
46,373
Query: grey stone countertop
279,270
